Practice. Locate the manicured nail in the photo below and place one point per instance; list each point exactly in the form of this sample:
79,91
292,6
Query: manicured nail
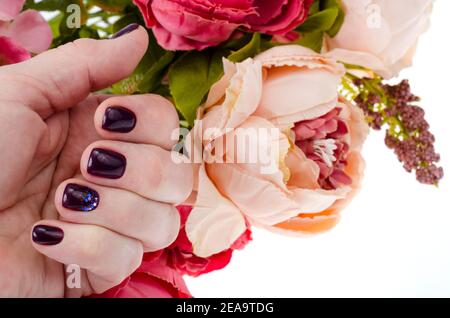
128,29
47,235
106,163
118,119
80,198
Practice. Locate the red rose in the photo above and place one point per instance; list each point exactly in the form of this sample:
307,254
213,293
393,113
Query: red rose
182,258
187,25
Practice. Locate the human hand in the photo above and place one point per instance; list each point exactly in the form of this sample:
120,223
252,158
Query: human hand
100,164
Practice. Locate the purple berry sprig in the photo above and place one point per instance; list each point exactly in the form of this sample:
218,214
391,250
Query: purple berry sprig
407,131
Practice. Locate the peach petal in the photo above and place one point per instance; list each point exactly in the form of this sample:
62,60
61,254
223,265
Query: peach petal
241,99
263,201
299,84
389,44
304,172
308,224
215,223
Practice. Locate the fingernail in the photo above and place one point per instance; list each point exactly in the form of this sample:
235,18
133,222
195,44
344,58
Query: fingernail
128,29
118,119
106,163
47,235
80,198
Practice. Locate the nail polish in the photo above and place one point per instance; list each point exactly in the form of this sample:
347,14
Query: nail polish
128,29
80,198
106,163
119,119
47,235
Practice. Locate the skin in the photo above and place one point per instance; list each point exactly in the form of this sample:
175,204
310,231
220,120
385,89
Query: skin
49,122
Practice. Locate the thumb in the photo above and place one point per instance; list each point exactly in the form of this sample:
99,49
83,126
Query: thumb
62,77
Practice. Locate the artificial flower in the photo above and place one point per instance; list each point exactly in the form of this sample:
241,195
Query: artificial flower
294,91
153,279
187,25
160,274
182,258
381,35
21,33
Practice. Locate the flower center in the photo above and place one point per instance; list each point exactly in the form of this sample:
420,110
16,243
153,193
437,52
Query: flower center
324,148
323,141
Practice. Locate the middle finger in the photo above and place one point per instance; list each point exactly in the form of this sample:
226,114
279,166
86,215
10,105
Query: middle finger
147,170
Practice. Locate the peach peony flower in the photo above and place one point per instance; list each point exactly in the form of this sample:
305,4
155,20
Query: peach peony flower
381,34
318,167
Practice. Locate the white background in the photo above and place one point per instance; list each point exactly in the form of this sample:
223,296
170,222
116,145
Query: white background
394,239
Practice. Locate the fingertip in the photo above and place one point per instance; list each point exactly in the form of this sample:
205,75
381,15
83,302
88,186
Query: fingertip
146,119
135,42
171,224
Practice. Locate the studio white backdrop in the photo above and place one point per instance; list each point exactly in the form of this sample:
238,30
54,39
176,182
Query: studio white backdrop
392,241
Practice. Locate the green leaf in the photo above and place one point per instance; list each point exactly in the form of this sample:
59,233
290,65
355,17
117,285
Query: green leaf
152,78
131,85
326,4
112,5
124,21
87,32
237,43
249,50
54,24
190,79
315,7
333,31
312,40
48,5
322,21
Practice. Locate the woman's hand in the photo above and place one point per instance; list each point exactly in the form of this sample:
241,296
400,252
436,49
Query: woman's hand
84,179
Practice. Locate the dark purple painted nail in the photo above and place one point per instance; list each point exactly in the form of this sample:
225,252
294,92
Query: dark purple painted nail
106,163
47,235
118,119
128,29
80,198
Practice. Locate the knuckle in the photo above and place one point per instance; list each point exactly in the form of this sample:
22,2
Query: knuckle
165,229
90,248
167,115
131,262
155,167
172,226
186,181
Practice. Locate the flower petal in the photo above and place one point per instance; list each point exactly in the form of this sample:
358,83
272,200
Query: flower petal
307,224
241,98
10,8
299,84
11,52
263,201
215,223
31,31
363,59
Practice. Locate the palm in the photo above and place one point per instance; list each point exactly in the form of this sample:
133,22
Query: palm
31,273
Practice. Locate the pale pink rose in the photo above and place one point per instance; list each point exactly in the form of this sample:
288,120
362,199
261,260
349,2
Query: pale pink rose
381,34
21,33
294,91
189,25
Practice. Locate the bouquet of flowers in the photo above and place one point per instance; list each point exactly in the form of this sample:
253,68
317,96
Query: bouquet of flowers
275,99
